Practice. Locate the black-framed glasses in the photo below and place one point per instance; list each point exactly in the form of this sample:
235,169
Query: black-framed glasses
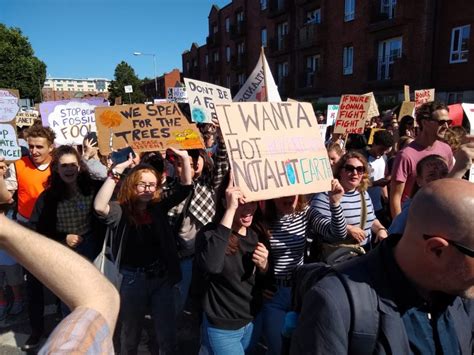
142,186
462,248
351,168
440,122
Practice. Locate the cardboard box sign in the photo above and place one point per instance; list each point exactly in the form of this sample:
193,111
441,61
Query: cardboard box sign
424,96
352,114
145,128
275,148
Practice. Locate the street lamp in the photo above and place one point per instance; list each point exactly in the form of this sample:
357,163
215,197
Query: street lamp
154,68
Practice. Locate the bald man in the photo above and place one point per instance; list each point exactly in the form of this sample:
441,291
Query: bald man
422,285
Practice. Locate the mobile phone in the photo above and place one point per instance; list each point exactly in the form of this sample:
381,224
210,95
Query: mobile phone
121,155
92,137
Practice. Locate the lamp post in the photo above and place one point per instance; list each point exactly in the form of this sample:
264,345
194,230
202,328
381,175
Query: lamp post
154,69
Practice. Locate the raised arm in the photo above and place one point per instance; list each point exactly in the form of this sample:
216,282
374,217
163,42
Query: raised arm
5,195
221,161
71,277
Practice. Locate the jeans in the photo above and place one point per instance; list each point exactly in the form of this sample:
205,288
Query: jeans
35,294
215,341
272,318
137,293
182,287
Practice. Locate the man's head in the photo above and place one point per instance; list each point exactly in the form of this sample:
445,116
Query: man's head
40,143
433,119
434,250
383,142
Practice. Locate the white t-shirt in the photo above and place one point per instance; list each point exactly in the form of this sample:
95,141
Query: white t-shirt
377,171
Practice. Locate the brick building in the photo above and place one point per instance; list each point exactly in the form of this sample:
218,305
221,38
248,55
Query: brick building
164,82
55,89
320,49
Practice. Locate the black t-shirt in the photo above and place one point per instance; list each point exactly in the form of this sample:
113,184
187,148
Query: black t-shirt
141,246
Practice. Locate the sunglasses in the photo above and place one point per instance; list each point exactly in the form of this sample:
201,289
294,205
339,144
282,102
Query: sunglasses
463,249
440,122
350,168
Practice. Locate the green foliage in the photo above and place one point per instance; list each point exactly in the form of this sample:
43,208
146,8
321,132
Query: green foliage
125,75
19,68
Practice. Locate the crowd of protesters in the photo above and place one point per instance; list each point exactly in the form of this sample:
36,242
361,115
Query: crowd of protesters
187,240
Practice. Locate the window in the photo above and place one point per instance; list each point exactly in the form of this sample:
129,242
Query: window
389,51
215,28
227,24
70,85
313,16
347,59
227,81
282,72
455,97
227,54
264,37
240,16
460,44
187,65
388,7
206,59
195,64
241,79
280,4
282,31
349,10
312,67
216,56
263,4
240,48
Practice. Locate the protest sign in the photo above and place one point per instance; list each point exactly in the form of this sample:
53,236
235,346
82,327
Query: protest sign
26,118
352,114
202,98
407,109
372,133
177,94
332,114
145,128
469,110
71,120
456,114
8,104
9,148
373,110
274,148
406,93
424,96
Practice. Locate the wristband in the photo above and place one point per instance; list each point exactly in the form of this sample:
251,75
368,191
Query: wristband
114,175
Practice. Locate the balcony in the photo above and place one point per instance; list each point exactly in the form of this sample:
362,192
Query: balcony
311,35
278,7
280,45
238,62
238,30
213,40
385,72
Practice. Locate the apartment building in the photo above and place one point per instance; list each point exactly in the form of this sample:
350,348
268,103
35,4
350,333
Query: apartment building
68,88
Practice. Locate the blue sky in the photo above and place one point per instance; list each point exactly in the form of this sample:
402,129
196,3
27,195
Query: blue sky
88,38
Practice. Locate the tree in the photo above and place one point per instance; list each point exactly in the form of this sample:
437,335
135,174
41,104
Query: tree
125,75
19,68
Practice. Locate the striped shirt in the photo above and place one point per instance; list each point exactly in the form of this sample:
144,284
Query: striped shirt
331,222
84,331
287,243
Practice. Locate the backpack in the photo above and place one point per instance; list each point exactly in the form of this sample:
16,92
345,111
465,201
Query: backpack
363,301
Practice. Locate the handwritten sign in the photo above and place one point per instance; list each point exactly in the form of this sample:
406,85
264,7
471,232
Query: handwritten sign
275,148
9,147
373,110
407,109
202,98
71,120
332,114
352,114
8,104
26,118
424,96
145,128
177,94
469,110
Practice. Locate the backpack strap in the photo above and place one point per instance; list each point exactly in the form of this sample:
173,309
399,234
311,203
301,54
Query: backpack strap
365,317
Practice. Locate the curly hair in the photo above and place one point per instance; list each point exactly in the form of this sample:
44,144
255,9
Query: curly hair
37,130
425,111
127,195
365,182
454,136
56,185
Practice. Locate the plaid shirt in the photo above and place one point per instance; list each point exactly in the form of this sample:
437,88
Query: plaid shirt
73,215
203,203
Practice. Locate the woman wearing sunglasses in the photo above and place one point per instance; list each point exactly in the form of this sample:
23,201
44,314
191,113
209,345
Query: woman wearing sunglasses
139,227
346,212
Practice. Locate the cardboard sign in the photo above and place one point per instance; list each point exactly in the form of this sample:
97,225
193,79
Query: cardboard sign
424,96
26,118
406,93
71,120
373,108
407,109
331,114
469,110
8,104
9,147
202,98
145,128
274,148
372,133
352,114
